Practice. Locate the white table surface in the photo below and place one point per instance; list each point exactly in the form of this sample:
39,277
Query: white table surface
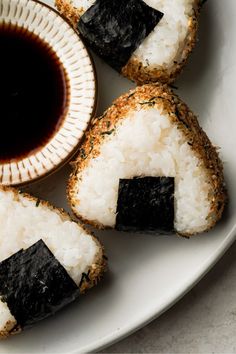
204,321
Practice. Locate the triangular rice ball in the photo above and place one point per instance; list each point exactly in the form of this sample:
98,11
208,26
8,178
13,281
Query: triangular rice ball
164,48
148,132
46,260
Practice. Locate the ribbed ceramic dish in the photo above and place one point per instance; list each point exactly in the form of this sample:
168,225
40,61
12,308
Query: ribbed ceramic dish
54,30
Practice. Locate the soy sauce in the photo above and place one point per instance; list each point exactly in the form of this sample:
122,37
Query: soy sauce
34,93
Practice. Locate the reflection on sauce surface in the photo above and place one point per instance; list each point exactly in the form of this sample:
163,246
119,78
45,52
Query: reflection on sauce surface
34,93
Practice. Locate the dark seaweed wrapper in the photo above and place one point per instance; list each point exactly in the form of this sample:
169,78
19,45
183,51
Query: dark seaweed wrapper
35,285
114,29
146,205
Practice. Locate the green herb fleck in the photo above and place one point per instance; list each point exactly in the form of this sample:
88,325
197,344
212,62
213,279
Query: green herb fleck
108,132
148,103
174,87
83,154
130,95
151,102
103,115
37,202
85,276
91,144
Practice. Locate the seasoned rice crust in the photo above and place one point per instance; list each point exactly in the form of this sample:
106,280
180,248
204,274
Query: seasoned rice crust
159,96
10,328
66,8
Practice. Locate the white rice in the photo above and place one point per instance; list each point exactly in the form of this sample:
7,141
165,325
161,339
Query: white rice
145,143
166,42
5,316
23,224
84,4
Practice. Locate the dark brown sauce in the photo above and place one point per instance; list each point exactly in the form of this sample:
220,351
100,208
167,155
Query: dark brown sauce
34,93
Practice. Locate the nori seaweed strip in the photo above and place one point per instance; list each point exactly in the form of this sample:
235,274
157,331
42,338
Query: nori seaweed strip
146,204
34,284
114,29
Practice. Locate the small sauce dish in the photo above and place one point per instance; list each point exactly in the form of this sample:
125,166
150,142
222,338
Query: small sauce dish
48,92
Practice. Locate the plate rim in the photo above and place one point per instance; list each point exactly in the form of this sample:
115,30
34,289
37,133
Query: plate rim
116,336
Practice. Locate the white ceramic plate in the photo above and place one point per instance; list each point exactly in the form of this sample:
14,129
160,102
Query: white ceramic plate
149,274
